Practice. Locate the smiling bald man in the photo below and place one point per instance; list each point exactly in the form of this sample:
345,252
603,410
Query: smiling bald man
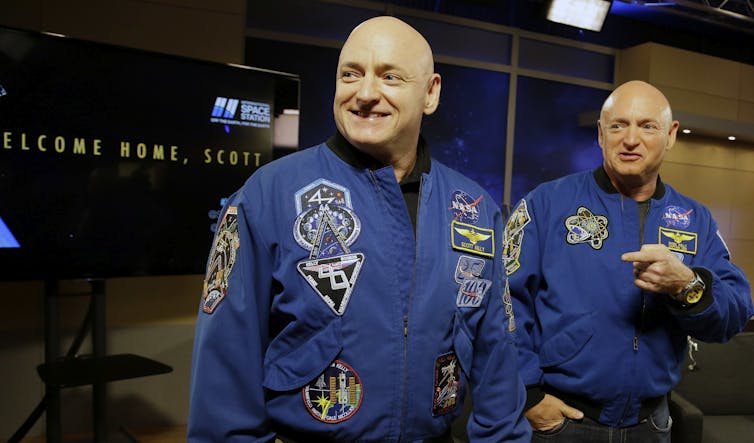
610,271
354,291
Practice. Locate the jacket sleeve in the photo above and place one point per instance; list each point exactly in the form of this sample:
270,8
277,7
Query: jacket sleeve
521,254
726,305
226,396
497,391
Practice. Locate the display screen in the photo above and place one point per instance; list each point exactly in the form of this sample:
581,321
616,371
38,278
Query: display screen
115,162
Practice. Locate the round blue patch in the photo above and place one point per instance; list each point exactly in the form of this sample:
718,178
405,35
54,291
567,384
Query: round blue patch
345,223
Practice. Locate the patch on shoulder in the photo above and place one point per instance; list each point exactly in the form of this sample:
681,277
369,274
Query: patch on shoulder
221,261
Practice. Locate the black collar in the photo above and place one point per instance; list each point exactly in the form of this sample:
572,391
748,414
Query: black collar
358,159
603,180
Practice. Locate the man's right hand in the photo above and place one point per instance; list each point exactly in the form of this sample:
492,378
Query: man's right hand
549,413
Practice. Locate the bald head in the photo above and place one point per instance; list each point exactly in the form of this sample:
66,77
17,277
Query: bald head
392,35
637,90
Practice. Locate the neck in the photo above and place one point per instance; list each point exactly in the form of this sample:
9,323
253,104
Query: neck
403,161
404,165
636,191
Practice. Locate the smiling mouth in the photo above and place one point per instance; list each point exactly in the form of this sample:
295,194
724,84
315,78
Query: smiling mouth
364,114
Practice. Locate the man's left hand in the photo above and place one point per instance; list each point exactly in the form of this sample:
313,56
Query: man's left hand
657,269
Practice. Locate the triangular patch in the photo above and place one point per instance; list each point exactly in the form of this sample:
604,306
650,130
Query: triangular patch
333,278
328,243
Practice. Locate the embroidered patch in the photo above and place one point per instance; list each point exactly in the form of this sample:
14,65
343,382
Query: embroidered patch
333,278
585,227
677,217
468,267
513,237
679,241
335,395
471,293
473,239
464,207
344,224
447,384
322,192
509,307
221,261
328,242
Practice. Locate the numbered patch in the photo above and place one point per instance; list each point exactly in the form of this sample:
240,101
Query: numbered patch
471,293
333,278
468,267
335,395
221,261
447,384
322,192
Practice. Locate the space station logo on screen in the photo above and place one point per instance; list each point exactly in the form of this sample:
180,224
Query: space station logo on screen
228,112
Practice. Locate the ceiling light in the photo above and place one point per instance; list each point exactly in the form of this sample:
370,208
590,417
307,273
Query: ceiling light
686,131
732,137
584,14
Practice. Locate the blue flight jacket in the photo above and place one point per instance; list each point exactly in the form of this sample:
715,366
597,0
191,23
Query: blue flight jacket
584,328
324,316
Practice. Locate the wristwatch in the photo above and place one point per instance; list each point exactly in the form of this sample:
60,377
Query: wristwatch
693,291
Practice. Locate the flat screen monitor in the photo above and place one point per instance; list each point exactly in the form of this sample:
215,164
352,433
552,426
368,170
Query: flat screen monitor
115,162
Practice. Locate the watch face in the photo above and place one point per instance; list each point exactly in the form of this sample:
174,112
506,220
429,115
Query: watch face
694,294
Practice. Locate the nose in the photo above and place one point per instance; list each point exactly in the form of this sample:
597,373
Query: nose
632,136
368,92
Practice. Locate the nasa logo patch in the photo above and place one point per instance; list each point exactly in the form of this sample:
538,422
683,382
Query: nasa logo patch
677,217
464,207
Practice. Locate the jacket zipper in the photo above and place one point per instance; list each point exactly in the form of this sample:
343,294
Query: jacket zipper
640,322
405,316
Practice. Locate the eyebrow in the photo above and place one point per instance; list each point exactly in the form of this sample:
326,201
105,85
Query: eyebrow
382,67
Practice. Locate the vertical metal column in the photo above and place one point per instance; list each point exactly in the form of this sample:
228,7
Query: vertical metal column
99,347
52,353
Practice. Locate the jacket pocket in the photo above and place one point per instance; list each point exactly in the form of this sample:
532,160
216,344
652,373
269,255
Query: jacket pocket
564,345
299,364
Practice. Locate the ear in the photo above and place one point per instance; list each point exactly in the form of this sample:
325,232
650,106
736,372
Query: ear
672,135
600,134
432,100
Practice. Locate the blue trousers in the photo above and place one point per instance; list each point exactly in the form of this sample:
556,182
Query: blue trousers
654,429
